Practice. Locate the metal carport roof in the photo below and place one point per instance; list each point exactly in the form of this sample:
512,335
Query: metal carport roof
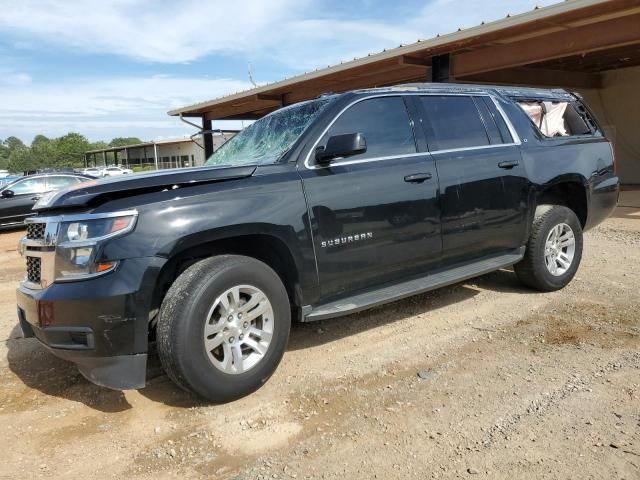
563,44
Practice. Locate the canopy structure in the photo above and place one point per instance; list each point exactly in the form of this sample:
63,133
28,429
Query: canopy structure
569,44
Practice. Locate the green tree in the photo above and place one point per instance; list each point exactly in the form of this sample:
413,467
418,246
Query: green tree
13,144
122,141
39,140
99,145
70,150
21,160
4,155
10,147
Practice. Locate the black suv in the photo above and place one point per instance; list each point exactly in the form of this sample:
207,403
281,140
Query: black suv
318,210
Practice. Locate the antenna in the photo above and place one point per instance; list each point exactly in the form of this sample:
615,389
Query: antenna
250,75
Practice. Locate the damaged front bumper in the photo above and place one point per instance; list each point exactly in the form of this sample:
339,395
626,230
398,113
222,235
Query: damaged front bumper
100,324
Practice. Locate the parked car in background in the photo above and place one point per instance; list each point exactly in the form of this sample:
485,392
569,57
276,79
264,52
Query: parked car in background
17,198
115,171
93,171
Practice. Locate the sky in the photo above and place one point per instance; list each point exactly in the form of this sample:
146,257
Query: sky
113,68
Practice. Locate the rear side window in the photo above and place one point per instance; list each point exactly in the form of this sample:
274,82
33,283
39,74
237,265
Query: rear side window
556,118
455,123
383,121
493,120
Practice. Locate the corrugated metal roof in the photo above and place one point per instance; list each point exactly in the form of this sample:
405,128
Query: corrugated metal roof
439,42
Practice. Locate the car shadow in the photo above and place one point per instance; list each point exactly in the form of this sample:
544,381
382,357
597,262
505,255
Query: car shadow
39,369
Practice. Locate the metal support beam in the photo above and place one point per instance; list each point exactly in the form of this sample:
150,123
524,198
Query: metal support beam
271,98
538,77
440,71
155,155
573,41
104,158
207,137
409,60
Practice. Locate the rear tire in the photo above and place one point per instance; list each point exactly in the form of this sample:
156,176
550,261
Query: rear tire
205,344
554,249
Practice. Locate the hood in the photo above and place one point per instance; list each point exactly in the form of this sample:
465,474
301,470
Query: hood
97,191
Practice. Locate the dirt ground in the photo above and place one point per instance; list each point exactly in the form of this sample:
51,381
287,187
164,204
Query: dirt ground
484,379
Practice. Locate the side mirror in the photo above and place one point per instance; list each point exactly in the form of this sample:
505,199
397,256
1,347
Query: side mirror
7,193
341,146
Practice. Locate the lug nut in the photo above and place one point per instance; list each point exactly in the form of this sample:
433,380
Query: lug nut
239,316
230,318
245,324
231,339
241,336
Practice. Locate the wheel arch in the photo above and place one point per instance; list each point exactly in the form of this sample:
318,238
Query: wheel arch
569,191
265,243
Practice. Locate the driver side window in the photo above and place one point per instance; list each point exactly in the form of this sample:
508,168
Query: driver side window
383,121
29,185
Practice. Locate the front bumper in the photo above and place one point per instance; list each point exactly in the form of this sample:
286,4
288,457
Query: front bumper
100,324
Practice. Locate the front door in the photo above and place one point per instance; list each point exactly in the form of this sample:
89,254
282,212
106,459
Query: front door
374,216
17,207
482,180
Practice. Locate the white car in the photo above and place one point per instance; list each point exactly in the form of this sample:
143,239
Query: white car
93,171
113,171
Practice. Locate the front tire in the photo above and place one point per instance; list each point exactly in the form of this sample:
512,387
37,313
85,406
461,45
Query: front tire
554,249
223,327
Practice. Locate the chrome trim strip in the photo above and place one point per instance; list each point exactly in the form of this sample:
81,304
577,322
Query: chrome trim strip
514,134
464,149
80,217
367,160
507,120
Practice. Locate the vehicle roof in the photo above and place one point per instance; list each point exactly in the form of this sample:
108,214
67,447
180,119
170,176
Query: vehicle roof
508,91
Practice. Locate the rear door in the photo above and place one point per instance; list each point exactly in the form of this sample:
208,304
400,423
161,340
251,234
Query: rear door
483,183
58,182
374,216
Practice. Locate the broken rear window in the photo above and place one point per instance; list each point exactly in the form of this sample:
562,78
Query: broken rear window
557,118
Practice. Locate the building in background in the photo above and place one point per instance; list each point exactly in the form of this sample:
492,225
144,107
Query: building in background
174,153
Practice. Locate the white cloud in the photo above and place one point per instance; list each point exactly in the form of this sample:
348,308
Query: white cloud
11,78
297,33
125,106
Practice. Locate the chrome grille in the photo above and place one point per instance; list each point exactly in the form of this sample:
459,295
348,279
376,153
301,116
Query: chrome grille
33,269
35,231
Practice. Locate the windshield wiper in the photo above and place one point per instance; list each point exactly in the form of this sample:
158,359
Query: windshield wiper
282,154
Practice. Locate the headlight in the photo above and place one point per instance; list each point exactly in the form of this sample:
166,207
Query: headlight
77,244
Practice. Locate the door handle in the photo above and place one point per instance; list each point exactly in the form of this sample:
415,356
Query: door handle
508,164
418,177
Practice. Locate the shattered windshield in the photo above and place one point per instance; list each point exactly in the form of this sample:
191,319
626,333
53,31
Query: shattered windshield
268,139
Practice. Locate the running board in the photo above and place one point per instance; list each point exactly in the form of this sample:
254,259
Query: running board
373,298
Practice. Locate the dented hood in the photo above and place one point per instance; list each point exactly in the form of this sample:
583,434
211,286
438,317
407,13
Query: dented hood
96,191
